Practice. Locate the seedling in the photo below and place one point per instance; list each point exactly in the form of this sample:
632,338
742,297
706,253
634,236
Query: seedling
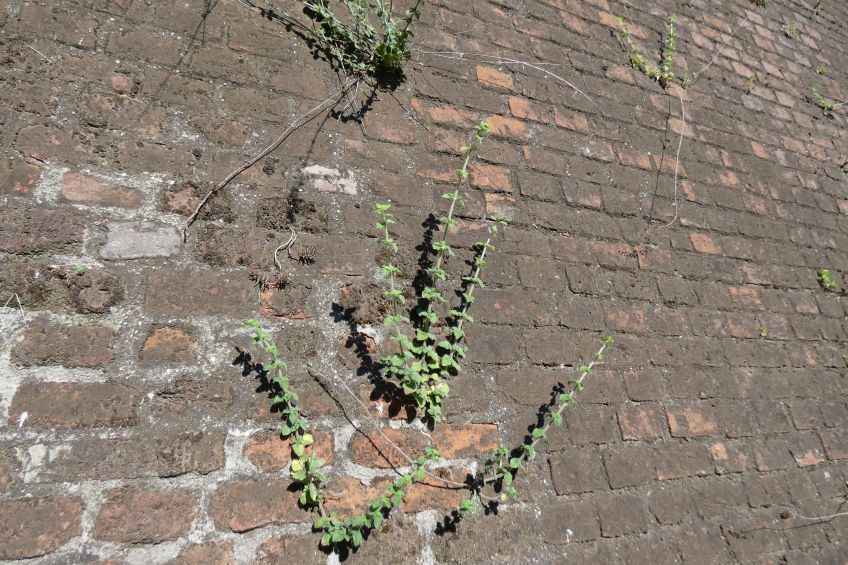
661,73
827,106
821,69
826,280
752,80
790,30
762,330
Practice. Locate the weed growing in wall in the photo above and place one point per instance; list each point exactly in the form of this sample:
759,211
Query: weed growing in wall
663,72
825,277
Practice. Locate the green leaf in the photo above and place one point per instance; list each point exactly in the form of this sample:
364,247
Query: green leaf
356,538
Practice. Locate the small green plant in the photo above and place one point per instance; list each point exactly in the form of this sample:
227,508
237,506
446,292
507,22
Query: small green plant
79,270
306,470
424,362
790,30
826,280
663,72
827,106
761,329
821,70
753,78
359,47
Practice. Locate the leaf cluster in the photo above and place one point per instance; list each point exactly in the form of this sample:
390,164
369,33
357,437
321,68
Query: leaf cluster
358,45
826,280
663,72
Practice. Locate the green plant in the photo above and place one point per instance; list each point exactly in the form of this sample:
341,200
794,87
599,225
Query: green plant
663,72
790,30
825,277
305,470
752,80
821,70
424,362
501,466
817,9
79,270
761,329
826,105
359,47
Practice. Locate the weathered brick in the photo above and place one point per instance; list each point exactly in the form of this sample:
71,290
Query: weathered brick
467,441
300,549
640,422
83,189
145,516
169,344
45,343
572,521
676,461
591,424
179,293
492,345
691,421
243,505
494,77
37,526
575,471
176,453
623,514
212,552
270,453
75,405
36,230
137,240
18,178
629,466
375,451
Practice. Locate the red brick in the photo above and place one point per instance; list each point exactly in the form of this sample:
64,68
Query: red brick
142,45
468,441
75,405
18,178
622,318
704,244
146,516
433,493
37,526
268,451
640,422
491,177
445,115
169,344
633,158
746,296
493,77
375,451
507,127
527,110
83,189
691,421
71,346
571,120
293,549
244,505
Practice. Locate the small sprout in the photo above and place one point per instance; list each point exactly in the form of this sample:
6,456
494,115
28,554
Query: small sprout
822,70
752,80
826,105
826,280
761,329
790,30
79,270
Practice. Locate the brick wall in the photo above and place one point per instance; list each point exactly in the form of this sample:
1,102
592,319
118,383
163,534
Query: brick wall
720,416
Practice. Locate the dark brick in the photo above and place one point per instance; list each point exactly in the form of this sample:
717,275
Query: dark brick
212,552
170,455
75,405
177,293
672,504
242,505
629,466
752,537
623,514
591,424
640,422
145,516
677,461
36,230
18,178
645,384
492,345
576,471
37,526
70,346
375,451
301,549
703,543
566,522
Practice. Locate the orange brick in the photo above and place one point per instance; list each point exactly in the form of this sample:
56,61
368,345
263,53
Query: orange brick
526,110
493,77
507,127
572,121
640,422
691,421
704,244
490,177
268,451
470,440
